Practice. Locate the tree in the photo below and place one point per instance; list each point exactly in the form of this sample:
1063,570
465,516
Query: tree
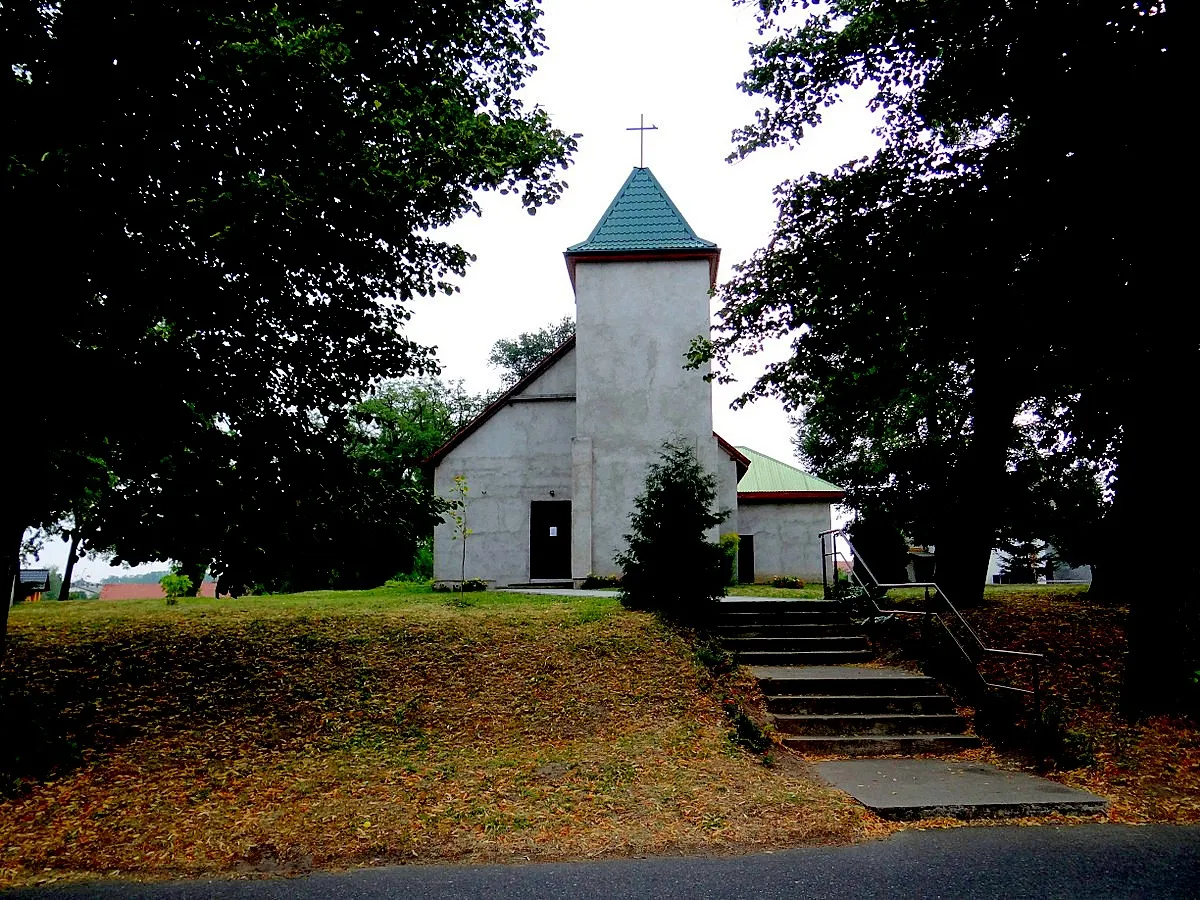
517,357
669,565
976,243
176,585
1024,561
401,423
458,518
227,225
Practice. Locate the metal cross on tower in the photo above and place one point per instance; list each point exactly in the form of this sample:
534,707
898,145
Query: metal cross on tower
641,129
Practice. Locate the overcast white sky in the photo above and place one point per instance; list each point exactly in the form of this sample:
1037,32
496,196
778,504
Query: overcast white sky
678,62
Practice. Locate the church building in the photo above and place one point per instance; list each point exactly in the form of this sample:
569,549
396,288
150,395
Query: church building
554,464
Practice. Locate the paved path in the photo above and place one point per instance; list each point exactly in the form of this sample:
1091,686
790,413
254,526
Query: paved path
1082,861
925,788
560,592
576,592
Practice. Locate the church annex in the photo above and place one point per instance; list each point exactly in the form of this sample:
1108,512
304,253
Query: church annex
554,464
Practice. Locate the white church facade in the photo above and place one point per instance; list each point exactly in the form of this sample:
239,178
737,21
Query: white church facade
554,464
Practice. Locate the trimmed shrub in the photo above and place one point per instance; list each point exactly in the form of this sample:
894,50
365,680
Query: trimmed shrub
729,546
471,585
595,582
786,581
174,587
670,566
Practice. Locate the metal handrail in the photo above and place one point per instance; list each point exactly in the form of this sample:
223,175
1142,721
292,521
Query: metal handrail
982,649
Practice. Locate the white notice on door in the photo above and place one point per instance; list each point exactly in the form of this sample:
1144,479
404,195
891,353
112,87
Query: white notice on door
553,531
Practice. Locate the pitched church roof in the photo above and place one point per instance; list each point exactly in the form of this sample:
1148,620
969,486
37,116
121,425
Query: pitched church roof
641,217
770,479
642,223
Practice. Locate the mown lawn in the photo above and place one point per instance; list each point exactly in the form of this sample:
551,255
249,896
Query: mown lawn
326,730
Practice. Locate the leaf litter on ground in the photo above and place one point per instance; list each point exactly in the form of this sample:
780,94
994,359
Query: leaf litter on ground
279,735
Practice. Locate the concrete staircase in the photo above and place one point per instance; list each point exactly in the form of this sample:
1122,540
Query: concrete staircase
804,652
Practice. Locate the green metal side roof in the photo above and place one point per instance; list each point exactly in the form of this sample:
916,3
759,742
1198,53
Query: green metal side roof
769,475
641,217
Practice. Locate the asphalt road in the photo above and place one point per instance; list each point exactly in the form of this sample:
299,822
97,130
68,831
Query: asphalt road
1010,862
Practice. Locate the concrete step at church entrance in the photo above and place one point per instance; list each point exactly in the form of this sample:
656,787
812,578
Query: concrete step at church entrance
769,605
793,642
812,657
810,629
806,655
743,620
832,704
853,745
825,725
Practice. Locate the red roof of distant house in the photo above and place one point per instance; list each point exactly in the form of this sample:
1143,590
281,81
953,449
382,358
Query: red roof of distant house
147,591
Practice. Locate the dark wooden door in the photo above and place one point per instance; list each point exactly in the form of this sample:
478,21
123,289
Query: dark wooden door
746,559
550,539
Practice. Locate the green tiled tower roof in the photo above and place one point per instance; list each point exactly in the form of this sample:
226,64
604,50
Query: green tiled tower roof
767,475
641,217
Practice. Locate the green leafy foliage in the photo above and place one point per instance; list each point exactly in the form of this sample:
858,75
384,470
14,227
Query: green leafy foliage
241,202
729,546
933,291
402,422
594,581
744,731
669,565
880,545
466,586
458,517
175,586
786,581
517,357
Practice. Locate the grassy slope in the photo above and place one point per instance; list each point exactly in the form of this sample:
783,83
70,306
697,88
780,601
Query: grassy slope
333,729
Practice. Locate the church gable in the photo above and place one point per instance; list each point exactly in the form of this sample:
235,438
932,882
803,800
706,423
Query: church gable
552,380
516,458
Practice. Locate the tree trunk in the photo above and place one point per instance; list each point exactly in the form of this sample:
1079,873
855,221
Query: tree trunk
968,523
196,572
1164,625
12,566
64,592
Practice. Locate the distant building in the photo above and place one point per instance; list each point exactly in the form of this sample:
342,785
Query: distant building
32,584
147,591
1058,571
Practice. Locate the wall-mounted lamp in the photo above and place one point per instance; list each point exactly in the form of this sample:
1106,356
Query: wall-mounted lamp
552,493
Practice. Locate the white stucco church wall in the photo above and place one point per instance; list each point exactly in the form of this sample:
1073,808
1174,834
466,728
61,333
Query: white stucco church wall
785,537
554,465
634,322
522,454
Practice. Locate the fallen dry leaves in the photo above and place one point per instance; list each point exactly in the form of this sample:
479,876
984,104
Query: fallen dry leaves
277,738
1148,770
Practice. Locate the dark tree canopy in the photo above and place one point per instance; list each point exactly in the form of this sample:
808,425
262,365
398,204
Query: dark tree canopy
986,262
517,357
216,213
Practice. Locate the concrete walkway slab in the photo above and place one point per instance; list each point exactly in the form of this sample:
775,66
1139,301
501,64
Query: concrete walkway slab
906,789
559,592
579,592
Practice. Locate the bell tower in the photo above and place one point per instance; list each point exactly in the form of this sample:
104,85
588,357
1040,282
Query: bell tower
642,281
